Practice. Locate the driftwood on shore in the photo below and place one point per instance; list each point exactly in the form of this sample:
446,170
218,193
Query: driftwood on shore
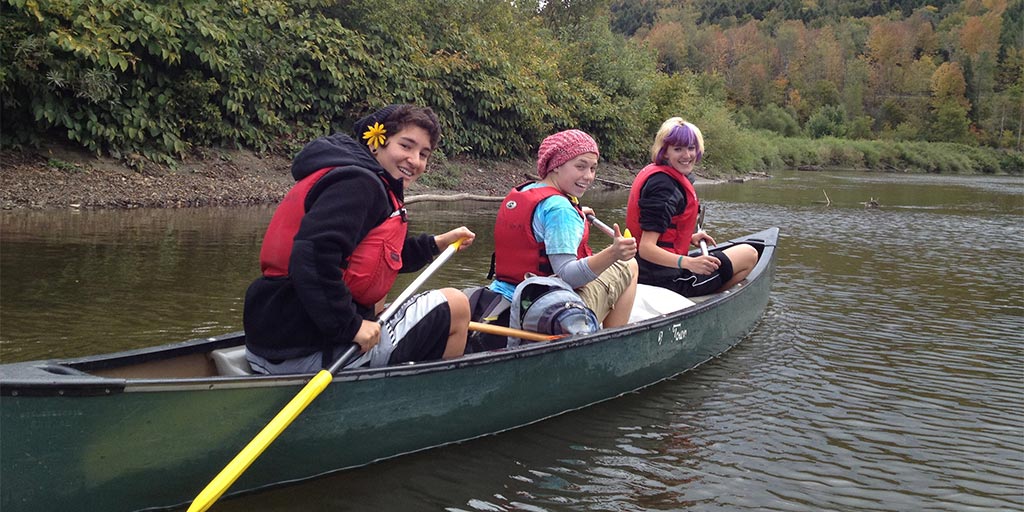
607,183
477,197
612,184
453,197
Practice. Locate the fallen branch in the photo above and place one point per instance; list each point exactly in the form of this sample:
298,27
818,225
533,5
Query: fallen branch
453,197
610,182
531,177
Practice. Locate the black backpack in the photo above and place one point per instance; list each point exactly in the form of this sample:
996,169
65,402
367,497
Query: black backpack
490,307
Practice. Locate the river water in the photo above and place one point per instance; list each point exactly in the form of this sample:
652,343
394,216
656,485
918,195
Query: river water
887,373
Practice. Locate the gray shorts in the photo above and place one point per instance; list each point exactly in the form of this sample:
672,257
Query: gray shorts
424,314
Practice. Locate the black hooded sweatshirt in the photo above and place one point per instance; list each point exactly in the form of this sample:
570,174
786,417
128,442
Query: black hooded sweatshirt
311,310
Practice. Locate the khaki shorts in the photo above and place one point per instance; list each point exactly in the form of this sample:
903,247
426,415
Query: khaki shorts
601,294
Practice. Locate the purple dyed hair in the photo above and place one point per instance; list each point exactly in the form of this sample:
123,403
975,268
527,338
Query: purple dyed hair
676,132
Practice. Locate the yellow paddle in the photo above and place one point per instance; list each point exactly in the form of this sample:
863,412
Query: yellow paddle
309,392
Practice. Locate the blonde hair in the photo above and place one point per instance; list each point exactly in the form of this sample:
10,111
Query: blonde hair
676,132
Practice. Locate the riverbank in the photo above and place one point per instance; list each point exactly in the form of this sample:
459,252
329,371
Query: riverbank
62,177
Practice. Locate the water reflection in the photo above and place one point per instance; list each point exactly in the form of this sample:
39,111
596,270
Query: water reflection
885,375
76,283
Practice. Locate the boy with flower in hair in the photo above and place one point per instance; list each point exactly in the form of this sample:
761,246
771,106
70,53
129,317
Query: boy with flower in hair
335,246
663,208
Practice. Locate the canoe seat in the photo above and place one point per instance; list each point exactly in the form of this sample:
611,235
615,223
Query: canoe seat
231,361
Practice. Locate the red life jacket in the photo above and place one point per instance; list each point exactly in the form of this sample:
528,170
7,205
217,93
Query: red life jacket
373,265
682,226
516,250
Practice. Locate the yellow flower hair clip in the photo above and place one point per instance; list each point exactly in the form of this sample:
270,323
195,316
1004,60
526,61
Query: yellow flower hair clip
375,136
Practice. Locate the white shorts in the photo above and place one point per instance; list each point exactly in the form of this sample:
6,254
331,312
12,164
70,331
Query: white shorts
415,315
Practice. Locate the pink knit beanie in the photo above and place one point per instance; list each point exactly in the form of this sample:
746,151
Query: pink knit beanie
561,147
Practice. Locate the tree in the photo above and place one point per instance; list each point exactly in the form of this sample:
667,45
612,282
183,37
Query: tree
669,40
950,124
979,43
855,84
829,120
776,119
628,16
949,105
948,85
571,14
888,52
914,92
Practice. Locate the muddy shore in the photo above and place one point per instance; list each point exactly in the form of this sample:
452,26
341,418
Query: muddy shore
57,177
60,177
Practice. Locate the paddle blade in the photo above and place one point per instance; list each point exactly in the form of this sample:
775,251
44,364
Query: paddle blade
245,458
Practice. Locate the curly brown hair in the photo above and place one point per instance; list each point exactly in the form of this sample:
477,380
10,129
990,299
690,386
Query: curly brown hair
423,117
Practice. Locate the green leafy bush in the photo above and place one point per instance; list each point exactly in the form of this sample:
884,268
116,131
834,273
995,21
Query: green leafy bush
776,119
155,78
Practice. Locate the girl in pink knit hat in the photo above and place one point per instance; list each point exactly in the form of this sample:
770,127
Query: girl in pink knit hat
542,230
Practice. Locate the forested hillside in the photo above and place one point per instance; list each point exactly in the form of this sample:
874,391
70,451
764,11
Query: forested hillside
908,70
879,85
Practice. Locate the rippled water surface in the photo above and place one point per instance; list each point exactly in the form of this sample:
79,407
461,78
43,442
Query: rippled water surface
887,373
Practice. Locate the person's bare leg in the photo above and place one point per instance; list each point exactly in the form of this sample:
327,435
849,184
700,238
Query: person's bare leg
458,304
743,258
619,314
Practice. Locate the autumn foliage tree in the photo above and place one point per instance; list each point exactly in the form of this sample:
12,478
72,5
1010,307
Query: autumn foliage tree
949,105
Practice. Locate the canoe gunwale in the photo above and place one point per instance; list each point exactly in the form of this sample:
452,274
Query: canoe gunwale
71,377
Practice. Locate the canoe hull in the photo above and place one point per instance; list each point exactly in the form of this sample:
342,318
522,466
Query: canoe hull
151,443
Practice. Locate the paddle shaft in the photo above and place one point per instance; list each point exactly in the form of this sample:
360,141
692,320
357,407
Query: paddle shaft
220,483
700,228
508,331
605,227
255,448
601,225
409,291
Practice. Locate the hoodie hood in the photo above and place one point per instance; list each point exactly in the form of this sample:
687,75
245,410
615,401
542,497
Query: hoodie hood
338,150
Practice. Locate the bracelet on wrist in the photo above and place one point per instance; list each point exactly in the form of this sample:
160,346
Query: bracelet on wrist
679,262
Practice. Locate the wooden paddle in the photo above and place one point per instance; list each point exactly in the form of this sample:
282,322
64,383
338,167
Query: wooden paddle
517,333
312,389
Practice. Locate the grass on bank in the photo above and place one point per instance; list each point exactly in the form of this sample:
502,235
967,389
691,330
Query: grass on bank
758,151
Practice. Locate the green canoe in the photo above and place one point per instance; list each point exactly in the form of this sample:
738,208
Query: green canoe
149,428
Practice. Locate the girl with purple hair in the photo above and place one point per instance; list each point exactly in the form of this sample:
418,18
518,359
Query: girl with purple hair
663,210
